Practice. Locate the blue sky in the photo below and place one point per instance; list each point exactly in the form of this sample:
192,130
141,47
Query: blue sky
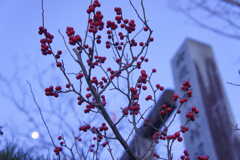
20,55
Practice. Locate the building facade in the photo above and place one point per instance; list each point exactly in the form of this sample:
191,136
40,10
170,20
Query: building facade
212,132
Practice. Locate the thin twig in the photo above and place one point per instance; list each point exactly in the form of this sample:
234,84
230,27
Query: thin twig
42,6
40,112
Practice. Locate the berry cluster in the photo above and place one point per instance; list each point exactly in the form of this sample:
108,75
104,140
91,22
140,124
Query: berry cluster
85,128
165,109
192,114
57,150
46,41
51,91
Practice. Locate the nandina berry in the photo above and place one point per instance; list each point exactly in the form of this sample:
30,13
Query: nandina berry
68,85
85,128
189,93
179,139
144,87
57,150
57,56
190,116
41,30
183,100
58,88
184,129
88,95
141,44
154,70
118,10
119,47
195,110
79,76
59,137
203,157
151,39
59,52
175,97
70,31
161,88
59,64
125,21
55,95
125,111
145,28
98,41
104,144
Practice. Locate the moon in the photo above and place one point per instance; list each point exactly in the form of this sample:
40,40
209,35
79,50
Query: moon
35,135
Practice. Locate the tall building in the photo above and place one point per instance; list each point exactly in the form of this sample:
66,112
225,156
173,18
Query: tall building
212,132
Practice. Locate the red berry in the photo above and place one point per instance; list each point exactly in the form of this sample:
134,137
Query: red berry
58,88
79,76
58,64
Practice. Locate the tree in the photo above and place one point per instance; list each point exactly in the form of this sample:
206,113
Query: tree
218,16
97,77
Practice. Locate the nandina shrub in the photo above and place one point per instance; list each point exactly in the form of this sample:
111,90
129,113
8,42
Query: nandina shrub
110,56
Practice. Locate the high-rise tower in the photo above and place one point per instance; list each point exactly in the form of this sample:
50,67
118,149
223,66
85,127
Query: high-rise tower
212,132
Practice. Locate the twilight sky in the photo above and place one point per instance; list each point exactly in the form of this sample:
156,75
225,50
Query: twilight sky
21,59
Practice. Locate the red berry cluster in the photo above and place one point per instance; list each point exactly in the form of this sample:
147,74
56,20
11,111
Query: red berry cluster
158,86
165,109
163,136
93,6
96,24
61,139
133,43
51,91
85,128
72,38
104,127
186,86
57,56
149,97
185,156
176,136
192,114
183,100
99,137
91,148
99,59
79,76
45,42
113,73
57,150
134,93
143,77
133,109
104,144
90,107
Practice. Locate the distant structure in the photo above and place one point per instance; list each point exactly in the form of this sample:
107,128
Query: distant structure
142,144
212,133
